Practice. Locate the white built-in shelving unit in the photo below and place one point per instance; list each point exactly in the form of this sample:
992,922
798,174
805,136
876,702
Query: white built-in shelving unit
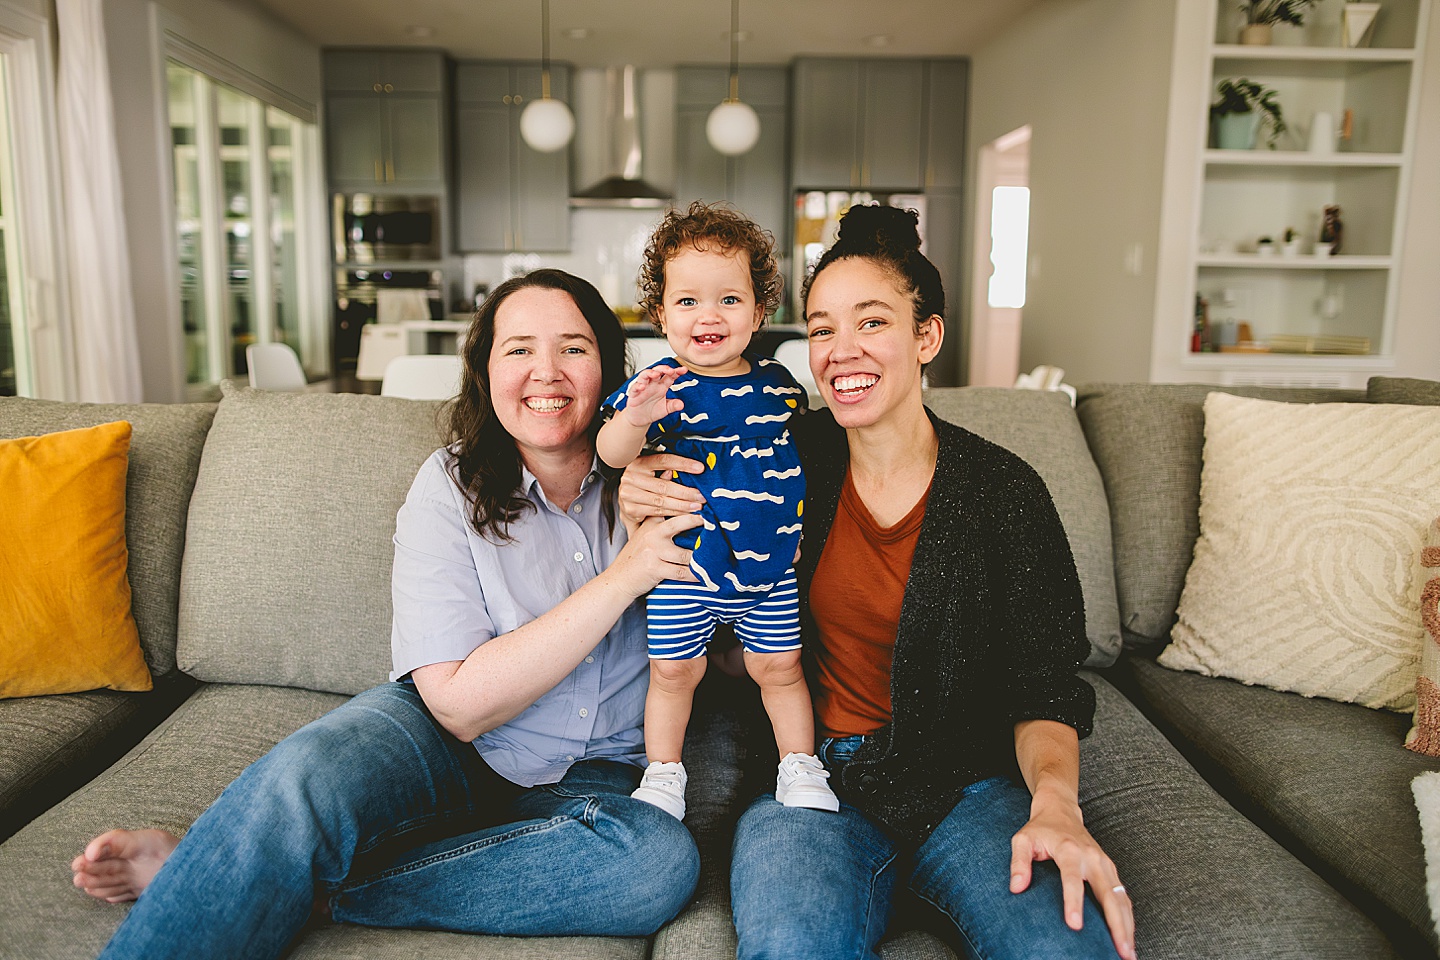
1235,197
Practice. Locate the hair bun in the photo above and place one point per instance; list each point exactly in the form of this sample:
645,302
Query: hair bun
874,227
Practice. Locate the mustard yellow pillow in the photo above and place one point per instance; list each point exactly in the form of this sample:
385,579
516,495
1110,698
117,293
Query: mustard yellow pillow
66,624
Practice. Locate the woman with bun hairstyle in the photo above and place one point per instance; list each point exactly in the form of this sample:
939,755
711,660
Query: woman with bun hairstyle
947,702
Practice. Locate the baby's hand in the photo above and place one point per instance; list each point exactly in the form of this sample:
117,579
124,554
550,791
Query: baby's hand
647,399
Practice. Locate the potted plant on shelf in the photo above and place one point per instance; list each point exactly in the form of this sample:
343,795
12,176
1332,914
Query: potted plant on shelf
1243,106
1262,15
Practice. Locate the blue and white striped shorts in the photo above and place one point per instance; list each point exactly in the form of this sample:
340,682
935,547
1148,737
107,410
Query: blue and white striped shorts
682,619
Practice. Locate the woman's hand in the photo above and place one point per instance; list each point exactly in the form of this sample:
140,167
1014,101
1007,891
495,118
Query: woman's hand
643,494
1057,832
1049,757
651,555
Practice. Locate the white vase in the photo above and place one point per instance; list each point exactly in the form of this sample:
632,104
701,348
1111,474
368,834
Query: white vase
1322,133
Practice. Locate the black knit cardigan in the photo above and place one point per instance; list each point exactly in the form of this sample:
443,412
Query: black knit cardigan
992,627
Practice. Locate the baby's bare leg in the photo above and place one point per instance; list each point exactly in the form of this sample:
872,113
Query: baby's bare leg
118,865
667,706
786,699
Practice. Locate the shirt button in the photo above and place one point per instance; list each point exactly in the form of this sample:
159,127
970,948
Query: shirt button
571,759
579,508
584,712
589,659
579,557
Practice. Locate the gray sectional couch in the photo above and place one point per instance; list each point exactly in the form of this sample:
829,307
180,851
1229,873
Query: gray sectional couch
1245,822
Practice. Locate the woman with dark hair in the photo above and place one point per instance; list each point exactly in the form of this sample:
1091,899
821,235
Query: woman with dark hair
486,789
946,696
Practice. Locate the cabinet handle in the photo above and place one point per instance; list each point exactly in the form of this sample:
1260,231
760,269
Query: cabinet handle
376,88
389,88
389,171
379,173
519,99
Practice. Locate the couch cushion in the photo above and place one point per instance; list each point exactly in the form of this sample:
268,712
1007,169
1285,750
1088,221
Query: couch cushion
68,626
1306,575
56,744
1204,880
1330,780
165,449
1146,440
287,570
1403,390
1040,427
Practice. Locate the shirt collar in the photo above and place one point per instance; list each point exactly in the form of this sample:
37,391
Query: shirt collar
530,486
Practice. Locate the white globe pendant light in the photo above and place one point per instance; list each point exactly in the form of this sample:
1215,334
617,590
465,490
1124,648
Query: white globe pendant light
733,127
546,125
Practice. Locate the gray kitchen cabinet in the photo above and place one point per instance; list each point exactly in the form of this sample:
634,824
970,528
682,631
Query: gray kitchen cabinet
754,182
385,121
826,124
859,124
948,98
372,71
892,125
508,196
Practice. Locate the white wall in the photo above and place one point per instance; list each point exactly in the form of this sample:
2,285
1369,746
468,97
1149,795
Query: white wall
253,43
1091,78
1417,320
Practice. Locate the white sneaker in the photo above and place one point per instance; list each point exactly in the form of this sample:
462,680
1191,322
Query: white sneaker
801,783
664,786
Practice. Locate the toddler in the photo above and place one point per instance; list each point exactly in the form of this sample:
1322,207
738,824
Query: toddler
709,280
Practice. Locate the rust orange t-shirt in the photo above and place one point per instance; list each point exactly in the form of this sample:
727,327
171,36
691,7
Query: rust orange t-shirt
855,597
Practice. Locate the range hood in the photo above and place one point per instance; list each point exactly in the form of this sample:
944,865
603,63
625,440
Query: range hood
623,185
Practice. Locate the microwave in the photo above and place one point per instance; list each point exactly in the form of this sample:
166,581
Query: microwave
370,228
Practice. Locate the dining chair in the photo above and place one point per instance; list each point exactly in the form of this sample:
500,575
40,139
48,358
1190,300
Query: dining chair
274,366
795,354
422,376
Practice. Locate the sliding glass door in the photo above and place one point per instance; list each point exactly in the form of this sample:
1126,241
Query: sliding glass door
241,236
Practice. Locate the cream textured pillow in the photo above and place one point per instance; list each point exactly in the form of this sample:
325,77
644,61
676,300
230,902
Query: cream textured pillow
1306,576
1425,734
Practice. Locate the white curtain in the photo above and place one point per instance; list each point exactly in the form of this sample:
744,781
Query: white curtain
107,350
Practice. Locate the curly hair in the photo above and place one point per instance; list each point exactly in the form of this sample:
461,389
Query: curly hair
705,227
488,463
889,238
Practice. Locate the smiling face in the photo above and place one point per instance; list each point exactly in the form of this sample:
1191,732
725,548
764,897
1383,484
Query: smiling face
709,311
864,353
545,373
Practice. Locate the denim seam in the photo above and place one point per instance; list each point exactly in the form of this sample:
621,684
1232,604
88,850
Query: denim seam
466,849
870,903
959,926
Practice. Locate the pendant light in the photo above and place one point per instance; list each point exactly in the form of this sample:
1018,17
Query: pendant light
546,125
733,127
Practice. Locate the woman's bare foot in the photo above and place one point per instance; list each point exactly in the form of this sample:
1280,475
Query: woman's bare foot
118,865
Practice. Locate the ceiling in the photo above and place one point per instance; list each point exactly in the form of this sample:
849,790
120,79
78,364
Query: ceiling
655,33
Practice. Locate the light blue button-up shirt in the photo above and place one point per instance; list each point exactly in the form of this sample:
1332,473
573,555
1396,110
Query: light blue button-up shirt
454,590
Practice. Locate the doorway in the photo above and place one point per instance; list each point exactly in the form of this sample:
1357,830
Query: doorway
1001,245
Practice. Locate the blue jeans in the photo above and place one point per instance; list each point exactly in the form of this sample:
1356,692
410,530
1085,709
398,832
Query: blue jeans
377,812
839,873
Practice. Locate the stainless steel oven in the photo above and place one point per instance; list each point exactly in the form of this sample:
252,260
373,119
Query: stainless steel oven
358,292
373,228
